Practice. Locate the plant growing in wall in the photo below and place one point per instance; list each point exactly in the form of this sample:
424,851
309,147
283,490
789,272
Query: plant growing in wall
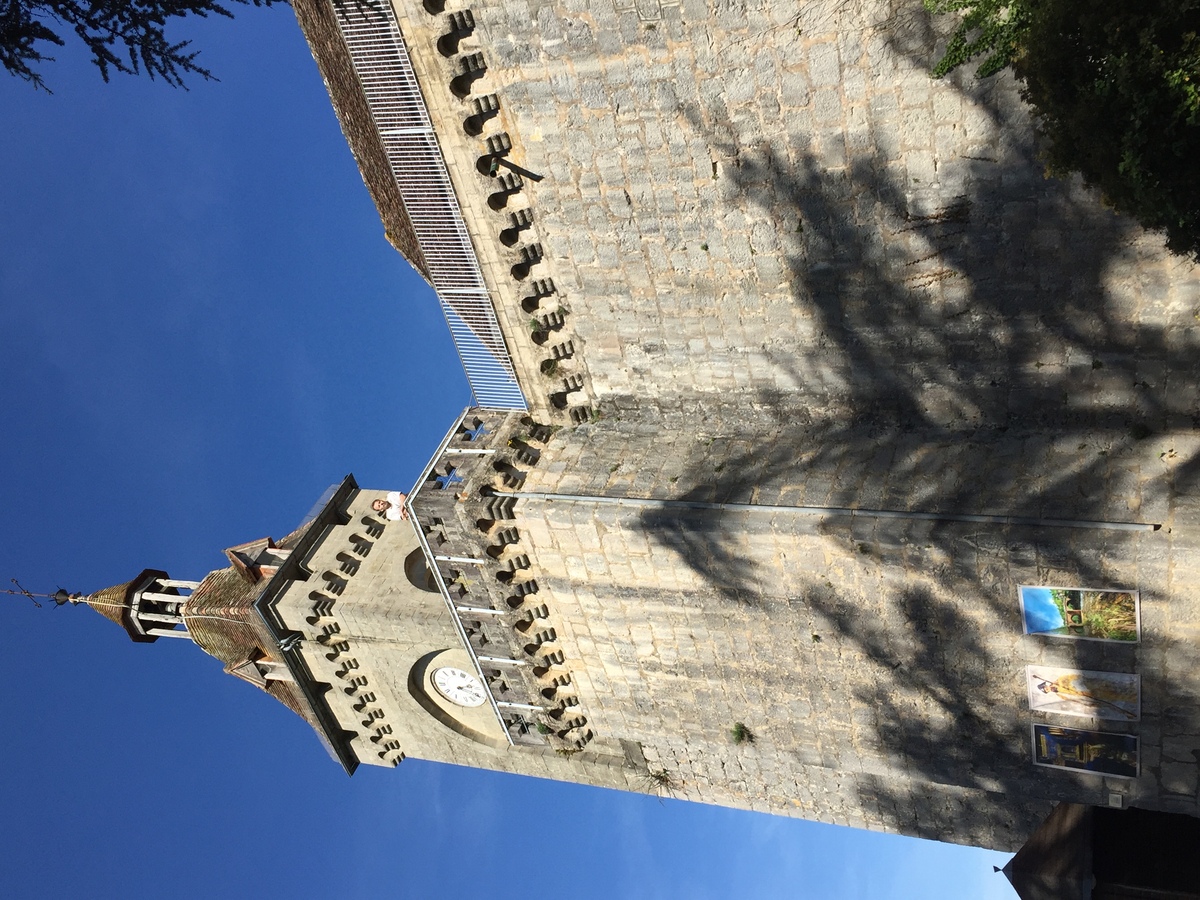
740,734
660,781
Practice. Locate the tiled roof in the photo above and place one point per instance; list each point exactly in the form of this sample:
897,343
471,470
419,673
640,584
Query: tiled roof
317,21
220,618
290,696
223,623
291,540
112,602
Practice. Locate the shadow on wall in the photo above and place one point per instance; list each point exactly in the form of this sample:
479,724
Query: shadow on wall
987,364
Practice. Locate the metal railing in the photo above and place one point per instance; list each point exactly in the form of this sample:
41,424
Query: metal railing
385,72
443,588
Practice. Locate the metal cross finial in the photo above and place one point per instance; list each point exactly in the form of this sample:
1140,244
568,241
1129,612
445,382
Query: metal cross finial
59,597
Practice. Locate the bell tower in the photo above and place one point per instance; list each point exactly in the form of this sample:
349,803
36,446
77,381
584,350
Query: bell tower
378,630
228,615
148,607
518,612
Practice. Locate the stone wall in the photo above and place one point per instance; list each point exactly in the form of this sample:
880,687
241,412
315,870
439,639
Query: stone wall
878,663
644,668
773,206
801,272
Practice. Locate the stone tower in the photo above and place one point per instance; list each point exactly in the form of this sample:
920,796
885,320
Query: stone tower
522,616
792,371
346,622
819,371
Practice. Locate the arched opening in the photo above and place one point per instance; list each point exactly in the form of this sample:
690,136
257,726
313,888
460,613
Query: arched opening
416,570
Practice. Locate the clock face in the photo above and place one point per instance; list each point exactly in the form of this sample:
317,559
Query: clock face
459,687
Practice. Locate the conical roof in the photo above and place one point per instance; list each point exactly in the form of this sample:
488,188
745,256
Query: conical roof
112,602
115,603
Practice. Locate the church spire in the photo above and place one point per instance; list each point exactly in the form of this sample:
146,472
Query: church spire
148,607
230,616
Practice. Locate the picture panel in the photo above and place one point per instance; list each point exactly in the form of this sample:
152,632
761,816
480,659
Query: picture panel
1090,614
1077,692
1097,752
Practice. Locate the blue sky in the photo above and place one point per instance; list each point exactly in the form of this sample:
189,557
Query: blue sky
203,327
1040,612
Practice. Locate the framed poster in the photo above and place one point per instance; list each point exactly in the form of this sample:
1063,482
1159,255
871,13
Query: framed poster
1097,752
1088,614
1077,692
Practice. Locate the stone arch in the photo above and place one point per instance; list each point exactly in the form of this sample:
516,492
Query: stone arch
416,570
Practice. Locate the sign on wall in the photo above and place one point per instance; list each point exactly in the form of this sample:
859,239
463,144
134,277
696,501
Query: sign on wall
1098,752
1076,692
1090,614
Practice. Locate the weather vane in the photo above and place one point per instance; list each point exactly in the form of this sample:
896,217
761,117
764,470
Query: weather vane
59,597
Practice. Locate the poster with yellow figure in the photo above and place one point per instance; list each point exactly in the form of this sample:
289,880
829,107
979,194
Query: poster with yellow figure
1075,692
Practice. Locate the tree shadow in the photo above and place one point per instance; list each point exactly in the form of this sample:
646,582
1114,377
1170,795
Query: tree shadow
994,343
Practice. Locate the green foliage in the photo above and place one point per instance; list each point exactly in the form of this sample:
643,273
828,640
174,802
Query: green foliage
1059,599
740,734
1111,615
126,36
994,29
1115,87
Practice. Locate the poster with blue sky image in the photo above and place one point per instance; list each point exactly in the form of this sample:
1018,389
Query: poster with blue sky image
1095,614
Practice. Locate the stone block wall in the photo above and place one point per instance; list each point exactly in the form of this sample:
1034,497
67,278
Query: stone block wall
877,663
772,206
801,272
